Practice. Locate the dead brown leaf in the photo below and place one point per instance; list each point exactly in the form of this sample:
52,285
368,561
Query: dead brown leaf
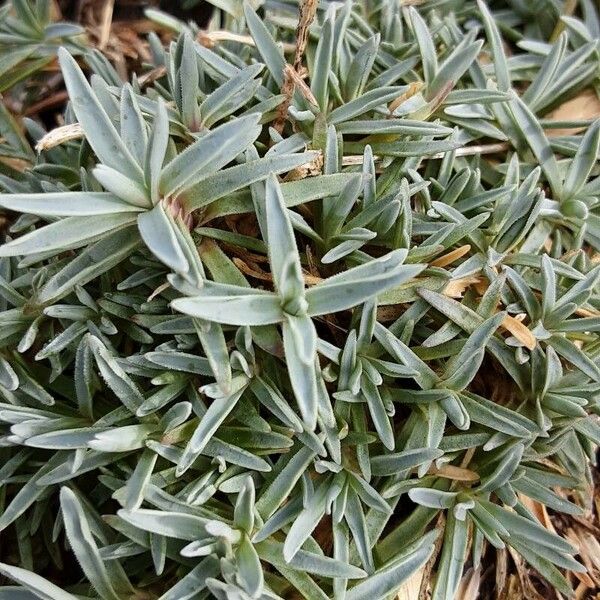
584,106
469,585
105,23
539,510
390,312
413,88
501,571
18,164
450,257
456,287
310,169
520,331
409,590
454,473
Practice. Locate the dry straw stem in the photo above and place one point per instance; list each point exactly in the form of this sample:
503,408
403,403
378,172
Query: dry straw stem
569,8
212,38
105,23
475,149
469,588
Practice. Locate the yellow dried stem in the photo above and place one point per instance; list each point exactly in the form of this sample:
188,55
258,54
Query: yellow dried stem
354,160
105,23
310,169
569,8
296,78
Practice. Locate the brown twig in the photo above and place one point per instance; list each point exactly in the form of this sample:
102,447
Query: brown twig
56,100
291,75
287,89
308,10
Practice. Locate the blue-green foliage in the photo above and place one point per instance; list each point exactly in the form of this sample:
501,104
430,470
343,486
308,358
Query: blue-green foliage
260,328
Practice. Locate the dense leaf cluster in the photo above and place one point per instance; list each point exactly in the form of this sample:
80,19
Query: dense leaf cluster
314,291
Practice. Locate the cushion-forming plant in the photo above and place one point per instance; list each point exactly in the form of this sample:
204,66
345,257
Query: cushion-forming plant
309,303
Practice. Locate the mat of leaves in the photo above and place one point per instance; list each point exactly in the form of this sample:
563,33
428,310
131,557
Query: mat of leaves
301,302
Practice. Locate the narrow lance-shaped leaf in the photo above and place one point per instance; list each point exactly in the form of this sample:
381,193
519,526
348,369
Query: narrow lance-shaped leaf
426,46
86,550
251,309
322,62
300,346
358,284
133,126
100,132
229,96
389,577
120,383
209,153
270,52
211,420
283,253
155,151
453,68
583,162
156,229
497,47
250,570
305,522
463,367
38,586
452,560
66,204
67,234
229,180
534,136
